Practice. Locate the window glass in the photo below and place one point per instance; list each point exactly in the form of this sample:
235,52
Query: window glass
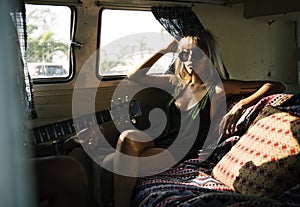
48,41
127,38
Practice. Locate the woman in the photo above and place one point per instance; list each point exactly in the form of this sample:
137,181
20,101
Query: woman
197,92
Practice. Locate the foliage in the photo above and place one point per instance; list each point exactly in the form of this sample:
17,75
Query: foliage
44,47
41,43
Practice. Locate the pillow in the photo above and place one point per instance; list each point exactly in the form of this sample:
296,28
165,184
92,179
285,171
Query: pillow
265,161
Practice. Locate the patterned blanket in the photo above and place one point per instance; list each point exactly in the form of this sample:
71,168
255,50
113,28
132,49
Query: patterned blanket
190,183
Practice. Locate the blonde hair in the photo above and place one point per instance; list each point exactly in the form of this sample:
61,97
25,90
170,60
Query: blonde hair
207,42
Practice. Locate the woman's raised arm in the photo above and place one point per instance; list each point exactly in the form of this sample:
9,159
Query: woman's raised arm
139,74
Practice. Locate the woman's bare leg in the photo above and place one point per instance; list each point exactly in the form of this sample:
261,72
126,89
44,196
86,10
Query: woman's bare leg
124,185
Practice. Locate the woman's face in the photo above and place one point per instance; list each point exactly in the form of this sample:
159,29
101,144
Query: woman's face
191,56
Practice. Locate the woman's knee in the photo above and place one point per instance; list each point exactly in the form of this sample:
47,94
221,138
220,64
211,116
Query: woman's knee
128,135
133,142
127,143
135,135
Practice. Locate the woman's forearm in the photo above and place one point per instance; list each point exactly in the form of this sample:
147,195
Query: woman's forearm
141,71
258,89
266,89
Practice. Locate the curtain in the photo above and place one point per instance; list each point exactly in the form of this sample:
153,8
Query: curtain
19,20
178,21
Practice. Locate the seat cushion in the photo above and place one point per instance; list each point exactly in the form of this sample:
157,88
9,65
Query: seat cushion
265,161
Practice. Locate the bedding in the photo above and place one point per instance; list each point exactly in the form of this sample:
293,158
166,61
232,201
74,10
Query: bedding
192,183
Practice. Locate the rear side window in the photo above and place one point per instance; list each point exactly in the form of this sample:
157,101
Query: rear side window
127,38
48,41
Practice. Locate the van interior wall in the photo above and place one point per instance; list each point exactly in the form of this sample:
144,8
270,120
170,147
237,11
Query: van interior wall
253,48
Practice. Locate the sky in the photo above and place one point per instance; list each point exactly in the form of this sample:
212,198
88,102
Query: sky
61,22
122,23
115,23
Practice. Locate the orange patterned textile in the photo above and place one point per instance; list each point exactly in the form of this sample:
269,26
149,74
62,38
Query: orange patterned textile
265,161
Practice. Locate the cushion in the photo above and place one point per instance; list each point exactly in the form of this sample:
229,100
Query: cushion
265,161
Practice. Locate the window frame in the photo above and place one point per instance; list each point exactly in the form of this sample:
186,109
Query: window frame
111,77
69,78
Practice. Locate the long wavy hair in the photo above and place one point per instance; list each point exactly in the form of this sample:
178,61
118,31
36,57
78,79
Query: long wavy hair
207,42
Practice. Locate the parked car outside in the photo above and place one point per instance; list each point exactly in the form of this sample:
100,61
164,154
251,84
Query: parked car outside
46,70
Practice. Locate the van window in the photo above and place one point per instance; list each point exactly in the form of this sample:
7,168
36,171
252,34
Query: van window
128,37
48,41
